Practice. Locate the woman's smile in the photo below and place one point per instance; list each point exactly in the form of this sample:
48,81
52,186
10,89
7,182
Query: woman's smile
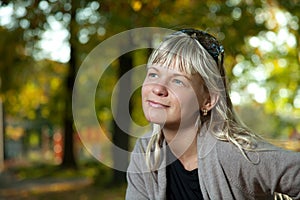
156,104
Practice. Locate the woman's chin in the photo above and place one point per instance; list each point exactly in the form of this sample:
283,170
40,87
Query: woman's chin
154,120
156,116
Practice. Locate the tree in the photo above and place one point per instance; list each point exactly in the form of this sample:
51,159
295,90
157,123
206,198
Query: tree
11,77
68,158
235,23
32,20
120,134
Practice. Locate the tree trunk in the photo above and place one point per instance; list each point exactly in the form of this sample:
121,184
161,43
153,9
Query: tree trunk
68,160
2,137
120,134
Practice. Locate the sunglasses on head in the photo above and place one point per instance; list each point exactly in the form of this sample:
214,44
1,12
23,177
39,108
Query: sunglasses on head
209,42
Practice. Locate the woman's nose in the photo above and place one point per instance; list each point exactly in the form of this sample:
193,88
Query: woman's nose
160,90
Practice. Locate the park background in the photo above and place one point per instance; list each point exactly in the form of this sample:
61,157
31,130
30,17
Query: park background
43,43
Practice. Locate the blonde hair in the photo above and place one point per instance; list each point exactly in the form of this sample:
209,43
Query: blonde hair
186,52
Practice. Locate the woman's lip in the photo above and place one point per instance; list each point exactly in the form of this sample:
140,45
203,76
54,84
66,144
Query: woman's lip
156,104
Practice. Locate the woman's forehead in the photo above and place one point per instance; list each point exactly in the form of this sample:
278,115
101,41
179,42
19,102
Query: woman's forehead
172,68
168,68
176,70
176,65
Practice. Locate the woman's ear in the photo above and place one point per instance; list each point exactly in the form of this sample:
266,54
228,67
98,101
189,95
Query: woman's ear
210,102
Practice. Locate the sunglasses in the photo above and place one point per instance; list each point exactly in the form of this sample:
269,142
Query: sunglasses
209,42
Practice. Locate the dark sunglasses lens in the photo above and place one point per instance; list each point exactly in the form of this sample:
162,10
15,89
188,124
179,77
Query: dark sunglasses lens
209,42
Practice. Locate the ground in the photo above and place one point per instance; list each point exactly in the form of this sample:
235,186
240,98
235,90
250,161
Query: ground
44,183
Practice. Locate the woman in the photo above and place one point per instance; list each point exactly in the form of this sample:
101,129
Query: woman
198,149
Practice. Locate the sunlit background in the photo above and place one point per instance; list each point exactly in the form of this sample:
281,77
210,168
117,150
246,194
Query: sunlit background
43,43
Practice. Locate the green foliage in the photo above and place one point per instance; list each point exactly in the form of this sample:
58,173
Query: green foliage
32,81
262,48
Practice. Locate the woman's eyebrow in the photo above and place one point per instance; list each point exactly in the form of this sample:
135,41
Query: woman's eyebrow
182,75
151,67
174,74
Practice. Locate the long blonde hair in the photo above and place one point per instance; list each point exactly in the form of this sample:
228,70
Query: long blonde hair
193,51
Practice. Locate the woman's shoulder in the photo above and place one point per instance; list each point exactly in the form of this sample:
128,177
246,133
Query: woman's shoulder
261,152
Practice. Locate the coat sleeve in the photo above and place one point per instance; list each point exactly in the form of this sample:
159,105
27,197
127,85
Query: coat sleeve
267,172
284,172
136,188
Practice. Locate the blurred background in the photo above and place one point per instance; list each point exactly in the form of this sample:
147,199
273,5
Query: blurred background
43,43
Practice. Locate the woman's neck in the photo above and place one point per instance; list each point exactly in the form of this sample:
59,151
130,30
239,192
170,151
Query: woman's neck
183,144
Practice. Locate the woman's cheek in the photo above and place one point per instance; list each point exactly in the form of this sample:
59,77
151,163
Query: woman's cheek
145,91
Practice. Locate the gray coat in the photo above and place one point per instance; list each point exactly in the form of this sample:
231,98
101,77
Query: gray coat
224,173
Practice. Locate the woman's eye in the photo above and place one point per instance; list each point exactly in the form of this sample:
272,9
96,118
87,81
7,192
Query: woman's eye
179,82
152,75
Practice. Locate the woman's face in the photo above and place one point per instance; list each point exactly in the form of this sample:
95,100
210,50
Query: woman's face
171,97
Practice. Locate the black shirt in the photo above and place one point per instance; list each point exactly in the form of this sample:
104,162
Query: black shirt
181,183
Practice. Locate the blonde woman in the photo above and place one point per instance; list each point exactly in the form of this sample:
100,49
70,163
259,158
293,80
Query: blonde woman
198,149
